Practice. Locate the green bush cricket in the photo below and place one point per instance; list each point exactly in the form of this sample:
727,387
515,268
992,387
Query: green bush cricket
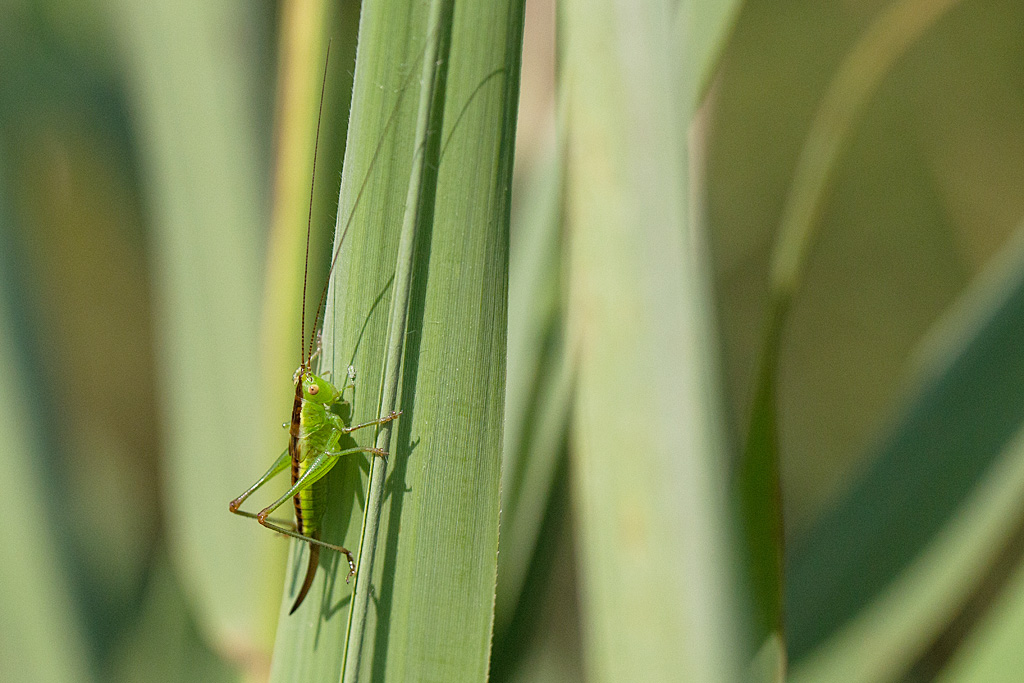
318,422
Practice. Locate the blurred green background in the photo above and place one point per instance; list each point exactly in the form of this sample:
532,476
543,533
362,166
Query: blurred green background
136,157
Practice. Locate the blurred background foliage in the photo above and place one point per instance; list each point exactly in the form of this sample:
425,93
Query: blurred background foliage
127,236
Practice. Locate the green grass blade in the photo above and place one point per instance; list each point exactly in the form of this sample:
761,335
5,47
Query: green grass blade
648,446
420,188
433,581
990,648
540,383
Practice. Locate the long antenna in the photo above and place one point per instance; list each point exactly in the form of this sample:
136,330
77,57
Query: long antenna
359,195
309,221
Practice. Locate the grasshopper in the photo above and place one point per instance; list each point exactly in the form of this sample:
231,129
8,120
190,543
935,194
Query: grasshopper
319,419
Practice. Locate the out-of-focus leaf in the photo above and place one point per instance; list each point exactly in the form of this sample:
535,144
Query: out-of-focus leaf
992,651
648,450
192,69
537,396
166,645
75,235
871,58
882,641
968,405
703,28
40,636
550,649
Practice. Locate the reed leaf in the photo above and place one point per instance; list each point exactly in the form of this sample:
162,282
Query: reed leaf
648,466
433,578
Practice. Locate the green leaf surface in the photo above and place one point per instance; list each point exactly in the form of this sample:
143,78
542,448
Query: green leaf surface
648,449
422,182
434,575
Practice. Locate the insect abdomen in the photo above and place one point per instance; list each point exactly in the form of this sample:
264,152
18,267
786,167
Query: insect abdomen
309,504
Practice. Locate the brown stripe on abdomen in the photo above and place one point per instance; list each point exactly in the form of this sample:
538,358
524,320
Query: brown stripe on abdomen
293,451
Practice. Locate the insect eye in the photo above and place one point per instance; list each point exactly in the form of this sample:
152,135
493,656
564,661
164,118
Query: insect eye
313,389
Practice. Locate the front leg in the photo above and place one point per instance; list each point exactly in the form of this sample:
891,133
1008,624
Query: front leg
393,415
